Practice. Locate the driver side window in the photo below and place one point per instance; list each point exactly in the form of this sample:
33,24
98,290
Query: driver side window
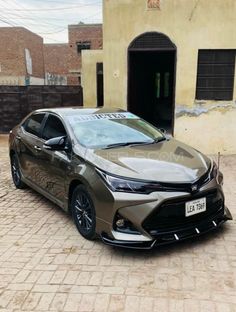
53,128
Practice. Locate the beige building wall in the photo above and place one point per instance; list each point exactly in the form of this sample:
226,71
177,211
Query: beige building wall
208,25
90,58
191,25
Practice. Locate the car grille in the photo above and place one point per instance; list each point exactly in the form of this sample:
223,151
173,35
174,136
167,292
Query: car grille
171,214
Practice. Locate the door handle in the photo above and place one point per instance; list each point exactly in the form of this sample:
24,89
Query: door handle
37,148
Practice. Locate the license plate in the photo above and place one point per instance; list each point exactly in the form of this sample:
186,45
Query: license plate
195,206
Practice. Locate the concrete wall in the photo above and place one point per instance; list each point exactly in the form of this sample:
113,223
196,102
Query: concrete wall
89,78
12,80
35,81
191,25
21,81
55,80
211,132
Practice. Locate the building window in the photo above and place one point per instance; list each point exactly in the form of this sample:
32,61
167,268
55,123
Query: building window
215,76
83,45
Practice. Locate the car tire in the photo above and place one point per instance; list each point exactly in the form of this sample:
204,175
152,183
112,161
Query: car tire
83,212
16,173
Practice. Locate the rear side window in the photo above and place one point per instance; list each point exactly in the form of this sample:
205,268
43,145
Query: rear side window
53,128
33,124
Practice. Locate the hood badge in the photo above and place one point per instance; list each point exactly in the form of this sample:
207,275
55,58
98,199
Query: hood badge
194,188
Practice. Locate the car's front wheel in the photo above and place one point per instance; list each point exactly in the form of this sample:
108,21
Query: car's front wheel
83,212
16,173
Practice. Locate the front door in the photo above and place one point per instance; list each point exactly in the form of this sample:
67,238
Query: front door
55,164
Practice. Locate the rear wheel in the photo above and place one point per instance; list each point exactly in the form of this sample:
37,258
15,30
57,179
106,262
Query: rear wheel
83,212
16,173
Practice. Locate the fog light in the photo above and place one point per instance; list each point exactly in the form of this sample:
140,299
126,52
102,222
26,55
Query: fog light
120,223
123,225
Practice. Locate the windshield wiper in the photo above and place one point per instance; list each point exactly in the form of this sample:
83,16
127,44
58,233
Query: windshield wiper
127,144
157,140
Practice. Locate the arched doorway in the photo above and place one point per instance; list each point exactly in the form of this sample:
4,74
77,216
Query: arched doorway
151,79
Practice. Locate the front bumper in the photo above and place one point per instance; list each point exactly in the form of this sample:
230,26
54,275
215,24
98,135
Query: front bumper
182,233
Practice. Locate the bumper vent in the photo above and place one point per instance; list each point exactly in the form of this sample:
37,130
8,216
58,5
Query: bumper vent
170,216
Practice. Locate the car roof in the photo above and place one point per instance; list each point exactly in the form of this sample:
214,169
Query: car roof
71,111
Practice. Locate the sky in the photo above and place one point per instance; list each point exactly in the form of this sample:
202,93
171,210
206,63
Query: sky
49,18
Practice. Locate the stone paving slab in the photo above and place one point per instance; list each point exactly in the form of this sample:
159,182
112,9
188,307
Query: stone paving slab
45,265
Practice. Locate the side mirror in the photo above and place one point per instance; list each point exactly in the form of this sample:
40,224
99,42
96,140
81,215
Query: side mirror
56,144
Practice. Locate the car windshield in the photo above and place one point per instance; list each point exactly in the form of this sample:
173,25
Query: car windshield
110,130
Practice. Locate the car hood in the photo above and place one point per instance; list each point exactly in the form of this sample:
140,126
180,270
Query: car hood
167,161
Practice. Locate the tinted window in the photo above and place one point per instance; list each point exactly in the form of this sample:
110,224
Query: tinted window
33,124
53,128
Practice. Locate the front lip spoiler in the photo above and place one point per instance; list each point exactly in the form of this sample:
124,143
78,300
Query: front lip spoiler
127,244
181,234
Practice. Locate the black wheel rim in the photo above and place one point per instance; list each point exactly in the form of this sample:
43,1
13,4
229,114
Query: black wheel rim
15,171
83,212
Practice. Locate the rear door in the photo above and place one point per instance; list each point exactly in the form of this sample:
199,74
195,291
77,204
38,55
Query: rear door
55,164
29,144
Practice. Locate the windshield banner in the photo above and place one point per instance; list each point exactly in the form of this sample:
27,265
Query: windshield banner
103,116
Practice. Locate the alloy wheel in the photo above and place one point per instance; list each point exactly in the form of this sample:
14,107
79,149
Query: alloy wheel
16,173
83,212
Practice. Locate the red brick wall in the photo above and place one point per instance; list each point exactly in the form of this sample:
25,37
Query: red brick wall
63,59
60,59
83,33
56,58
34,43
11,59
14,41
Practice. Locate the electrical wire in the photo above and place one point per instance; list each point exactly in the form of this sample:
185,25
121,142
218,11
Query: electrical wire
52,9
64,28
19,16
7,18
6,22
55,1
35,21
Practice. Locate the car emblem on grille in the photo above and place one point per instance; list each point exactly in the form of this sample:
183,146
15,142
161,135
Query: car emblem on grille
194,188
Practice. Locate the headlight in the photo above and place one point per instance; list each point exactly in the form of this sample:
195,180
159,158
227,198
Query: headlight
120,184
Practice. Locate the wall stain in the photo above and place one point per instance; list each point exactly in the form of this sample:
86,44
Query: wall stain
199,109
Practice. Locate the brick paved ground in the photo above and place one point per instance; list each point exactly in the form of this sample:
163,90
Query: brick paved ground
46,266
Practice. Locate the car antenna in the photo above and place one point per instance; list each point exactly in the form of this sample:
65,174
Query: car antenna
219,160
